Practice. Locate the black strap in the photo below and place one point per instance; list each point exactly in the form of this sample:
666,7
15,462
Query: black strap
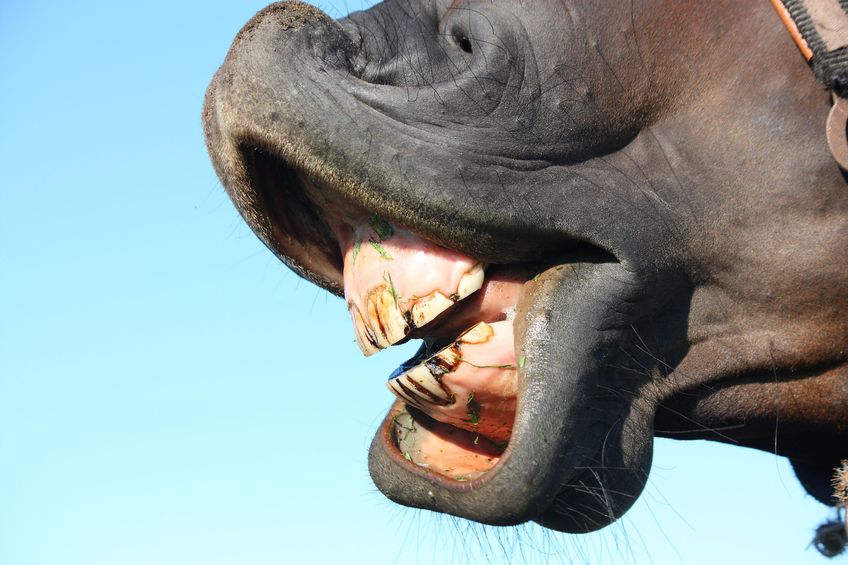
823,28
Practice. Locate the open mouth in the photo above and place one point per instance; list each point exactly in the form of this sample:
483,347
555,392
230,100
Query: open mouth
459,396
515,407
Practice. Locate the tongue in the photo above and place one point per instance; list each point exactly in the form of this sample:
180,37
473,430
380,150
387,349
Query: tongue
396,282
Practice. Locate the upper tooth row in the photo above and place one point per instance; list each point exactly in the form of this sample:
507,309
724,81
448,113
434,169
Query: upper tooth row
389,318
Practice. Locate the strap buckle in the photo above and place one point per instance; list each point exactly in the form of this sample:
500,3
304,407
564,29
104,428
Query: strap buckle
837,131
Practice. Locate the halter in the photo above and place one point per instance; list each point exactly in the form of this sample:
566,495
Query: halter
820,30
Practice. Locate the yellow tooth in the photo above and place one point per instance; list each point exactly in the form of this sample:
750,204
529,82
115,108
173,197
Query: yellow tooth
383,323
426,309
480,333
393,323
470,281
398,391
373,321
449,356
421,374
422,385
363,338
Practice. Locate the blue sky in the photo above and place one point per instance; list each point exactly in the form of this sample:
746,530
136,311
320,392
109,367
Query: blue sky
170,393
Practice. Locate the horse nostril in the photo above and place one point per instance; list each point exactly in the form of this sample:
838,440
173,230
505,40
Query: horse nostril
464,43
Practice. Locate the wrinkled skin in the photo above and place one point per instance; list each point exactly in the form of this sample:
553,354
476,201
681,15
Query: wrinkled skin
662,164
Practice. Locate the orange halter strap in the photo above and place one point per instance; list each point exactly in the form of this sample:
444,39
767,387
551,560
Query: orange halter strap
820,30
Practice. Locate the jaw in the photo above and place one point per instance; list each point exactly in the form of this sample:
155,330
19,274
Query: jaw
801,414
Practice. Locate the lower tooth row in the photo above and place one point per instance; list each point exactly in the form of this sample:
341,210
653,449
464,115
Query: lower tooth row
474,375
423,384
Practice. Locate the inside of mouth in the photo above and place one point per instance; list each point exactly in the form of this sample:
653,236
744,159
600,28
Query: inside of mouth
441,448
459,392
281,209
457,396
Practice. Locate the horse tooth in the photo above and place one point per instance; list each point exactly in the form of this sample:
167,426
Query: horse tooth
471,281
426,309
399,391
374,322
404,393
447,358
479,333
421,377
364,337
421,388
395,326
